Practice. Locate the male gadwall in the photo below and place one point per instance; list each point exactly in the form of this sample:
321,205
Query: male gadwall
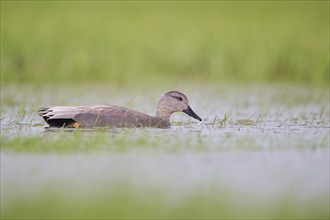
117,116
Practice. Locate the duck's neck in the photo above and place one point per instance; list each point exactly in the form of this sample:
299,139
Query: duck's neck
163,113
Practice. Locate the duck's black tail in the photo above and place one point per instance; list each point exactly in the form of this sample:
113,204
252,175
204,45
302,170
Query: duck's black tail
46,114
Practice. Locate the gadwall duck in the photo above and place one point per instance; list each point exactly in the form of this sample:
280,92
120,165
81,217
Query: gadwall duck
117,116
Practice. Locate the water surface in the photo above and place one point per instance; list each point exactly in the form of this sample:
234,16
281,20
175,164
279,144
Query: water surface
261,151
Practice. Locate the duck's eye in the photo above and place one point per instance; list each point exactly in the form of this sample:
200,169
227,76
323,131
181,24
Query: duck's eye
178,98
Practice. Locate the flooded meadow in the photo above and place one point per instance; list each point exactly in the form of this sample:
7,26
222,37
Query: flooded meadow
261,151
256,72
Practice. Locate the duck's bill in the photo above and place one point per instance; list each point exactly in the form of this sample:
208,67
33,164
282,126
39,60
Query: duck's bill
191,113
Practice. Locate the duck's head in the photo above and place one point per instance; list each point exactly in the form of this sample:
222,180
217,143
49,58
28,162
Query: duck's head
172,102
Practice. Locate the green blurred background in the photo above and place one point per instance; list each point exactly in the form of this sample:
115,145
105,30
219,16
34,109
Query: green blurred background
136,42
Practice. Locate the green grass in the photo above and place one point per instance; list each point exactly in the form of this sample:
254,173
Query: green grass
216,139
127,202
132,42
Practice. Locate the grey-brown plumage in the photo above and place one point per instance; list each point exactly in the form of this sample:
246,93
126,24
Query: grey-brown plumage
117,116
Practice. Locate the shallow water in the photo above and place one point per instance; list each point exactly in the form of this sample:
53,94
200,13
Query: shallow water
258,146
